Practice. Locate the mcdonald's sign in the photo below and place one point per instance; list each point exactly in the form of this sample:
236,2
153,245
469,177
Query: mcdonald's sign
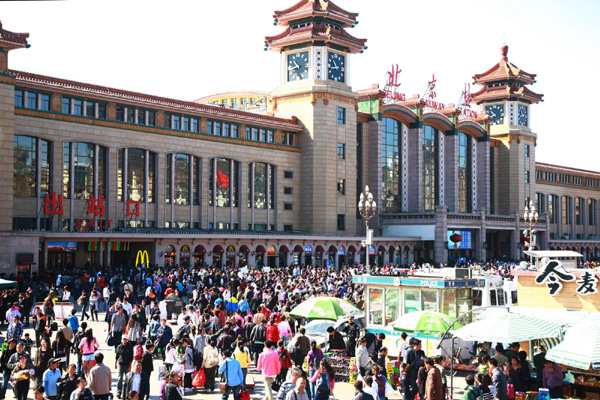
142,255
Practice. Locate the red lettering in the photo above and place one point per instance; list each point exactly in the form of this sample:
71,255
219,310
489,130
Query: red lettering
54,205
133,208
95,206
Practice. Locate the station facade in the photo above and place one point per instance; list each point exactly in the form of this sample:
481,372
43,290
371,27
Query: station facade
98,175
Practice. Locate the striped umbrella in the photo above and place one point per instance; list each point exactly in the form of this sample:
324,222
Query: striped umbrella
510,327
580,348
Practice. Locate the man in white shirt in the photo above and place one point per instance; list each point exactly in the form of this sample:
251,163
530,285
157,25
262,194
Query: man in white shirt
299,392
13,312
181,317
362,356
106,295
127,307
137,380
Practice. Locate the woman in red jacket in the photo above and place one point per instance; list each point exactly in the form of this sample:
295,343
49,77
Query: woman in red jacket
273,332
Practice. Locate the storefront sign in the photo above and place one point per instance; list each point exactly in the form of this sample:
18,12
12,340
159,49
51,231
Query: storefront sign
142,258
587,284
308,250
85,225
552,274
372,250
62,246
230,251
133,208
342,251
391,89
54,204
271,251
24,258
430,96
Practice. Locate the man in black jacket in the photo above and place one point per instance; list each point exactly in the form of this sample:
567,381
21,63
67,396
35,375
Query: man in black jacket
171,390
123,359
67,384
147,365
336,340
137,380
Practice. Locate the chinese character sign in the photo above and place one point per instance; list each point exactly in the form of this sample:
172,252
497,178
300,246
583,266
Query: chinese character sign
54,204
587,284
392,85
95,206
133,208
552,274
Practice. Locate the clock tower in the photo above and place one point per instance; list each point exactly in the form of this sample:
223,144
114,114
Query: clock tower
315,48
507,100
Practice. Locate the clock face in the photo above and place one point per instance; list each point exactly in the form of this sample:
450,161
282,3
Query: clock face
496,112
522,115
297,66
336,64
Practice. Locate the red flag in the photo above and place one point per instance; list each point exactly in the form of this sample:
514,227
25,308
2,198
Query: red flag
222,179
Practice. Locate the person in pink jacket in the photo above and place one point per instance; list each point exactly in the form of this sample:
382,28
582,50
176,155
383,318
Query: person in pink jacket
268,364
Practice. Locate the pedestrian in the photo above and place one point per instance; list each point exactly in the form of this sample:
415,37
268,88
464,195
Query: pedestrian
471,391
258,337
68,383
173,390
137,380
498,379
165,334
73,321
94,299
362,357
360,394
39,325
147,363
379,380
10,350
299,392
481,383
324,379
100,378
117,325
243,356
268,364
50,379
83,301
171,356
289,384
15,329
42,356
553,379
285,331
87,348
336,340
67,333
301,347
371,387
123,360
408,388
232,372
352,330
188,361
22,374
210,363
284,360
76,342
82,392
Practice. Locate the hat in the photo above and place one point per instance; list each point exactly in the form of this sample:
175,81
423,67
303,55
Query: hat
54,360
119,306
124,337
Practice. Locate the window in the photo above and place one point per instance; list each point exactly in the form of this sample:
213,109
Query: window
66,106
226,182
225,103
392,305
288,228
234,102
226,130
288,206
288,190
25,166
255,132
464,173
592,206
209,127
138,188
578,211
186,124
341,186
263,174
375,306
526,176
217,129
341,151
45,102
341,115
567,203
32,100
390,164
84,169
288,174
77,107
430,300
552,202
270,136
430,168
526,150
176,122
412,301
341,222
234,131
90,109
18,98
263,135
195,125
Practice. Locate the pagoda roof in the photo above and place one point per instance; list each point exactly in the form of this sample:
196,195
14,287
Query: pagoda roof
305,9
506,91
315,32
11,40
504,70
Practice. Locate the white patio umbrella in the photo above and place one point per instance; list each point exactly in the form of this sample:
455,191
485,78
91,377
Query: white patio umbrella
581,347
507,328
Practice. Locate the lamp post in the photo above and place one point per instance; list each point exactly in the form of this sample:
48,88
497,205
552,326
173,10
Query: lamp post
531,218
367,208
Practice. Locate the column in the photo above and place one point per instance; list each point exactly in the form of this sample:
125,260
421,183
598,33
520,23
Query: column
441,235
214,191
146,185
441,173
252,196
96,191
336,259
483,173
71,185
231,175
415,167
84,111
38,191
404,167
172,191
237,259
45,250
451,171
478,243
124,179
191,197
268,195
302,258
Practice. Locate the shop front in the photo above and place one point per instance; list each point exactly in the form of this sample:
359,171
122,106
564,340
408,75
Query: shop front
342,257
61,254
271,256
244,250
331,256
381,253
24,263
170,256
217,255
230,256
394,259
319,260
351,257
184,256
283,252
372,254
308,255
297,255
260,253
199,253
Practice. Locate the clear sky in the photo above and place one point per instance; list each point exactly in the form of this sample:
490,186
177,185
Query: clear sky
188,49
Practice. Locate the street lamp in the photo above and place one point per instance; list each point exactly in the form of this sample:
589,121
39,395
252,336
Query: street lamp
531,218
367,208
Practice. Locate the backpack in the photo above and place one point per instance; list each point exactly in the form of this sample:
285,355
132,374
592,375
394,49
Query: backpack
181,332
138,352
476,392
212,359
197,359
284,359
323,382
261,334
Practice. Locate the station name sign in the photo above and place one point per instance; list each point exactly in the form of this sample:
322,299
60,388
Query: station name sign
553,274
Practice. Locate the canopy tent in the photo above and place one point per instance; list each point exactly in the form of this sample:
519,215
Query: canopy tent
4,284
581,347
507,328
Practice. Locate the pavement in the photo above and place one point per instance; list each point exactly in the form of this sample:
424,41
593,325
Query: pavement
342,390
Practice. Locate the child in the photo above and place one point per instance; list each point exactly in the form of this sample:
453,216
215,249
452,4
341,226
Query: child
28,343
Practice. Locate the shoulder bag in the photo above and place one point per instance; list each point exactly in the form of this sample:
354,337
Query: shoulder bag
223,383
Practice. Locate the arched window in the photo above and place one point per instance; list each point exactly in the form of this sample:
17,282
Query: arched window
141,175
79,174
464,173
390,165
182,171
430,168
30,155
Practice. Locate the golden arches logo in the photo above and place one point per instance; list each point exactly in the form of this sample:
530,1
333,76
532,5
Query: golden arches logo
143,255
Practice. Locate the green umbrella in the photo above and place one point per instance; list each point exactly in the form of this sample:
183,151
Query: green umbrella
508,328
423,321
580,348
324,308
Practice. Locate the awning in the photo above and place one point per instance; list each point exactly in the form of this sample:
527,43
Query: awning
406,248
244,249
4,284
381,249
351,249
319,249
284,249
581,347
199,249
298,249
218,250
392,249
332,249
260,249
26,263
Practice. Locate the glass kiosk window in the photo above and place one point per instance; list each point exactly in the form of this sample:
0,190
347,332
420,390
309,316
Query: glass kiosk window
430,300
375,306
465,303
449,303
392,305
412,301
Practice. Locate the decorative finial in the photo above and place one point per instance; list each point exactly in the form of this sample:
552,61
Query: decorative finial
504,50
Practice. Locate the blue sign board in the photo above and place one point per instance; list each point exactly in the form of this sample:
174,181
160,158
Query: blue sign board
341,251
429,283
308,250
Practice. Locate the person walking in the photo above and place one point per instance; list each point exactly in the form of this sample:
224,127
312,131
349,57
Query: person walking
210,362
232,371
123,360
39,325
285,361
258,338
87,348
84,302
51,378
67,333
353,332
117,325
82,392
188,361
10,350
173,390
324,379
22,374
289,384
138,381
94,300
433,385
42,356
243,356
553,379
471,392
362,356
100,378
147,363
165,334
268,364
498,379
299,392
301,347
360,394
68,383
